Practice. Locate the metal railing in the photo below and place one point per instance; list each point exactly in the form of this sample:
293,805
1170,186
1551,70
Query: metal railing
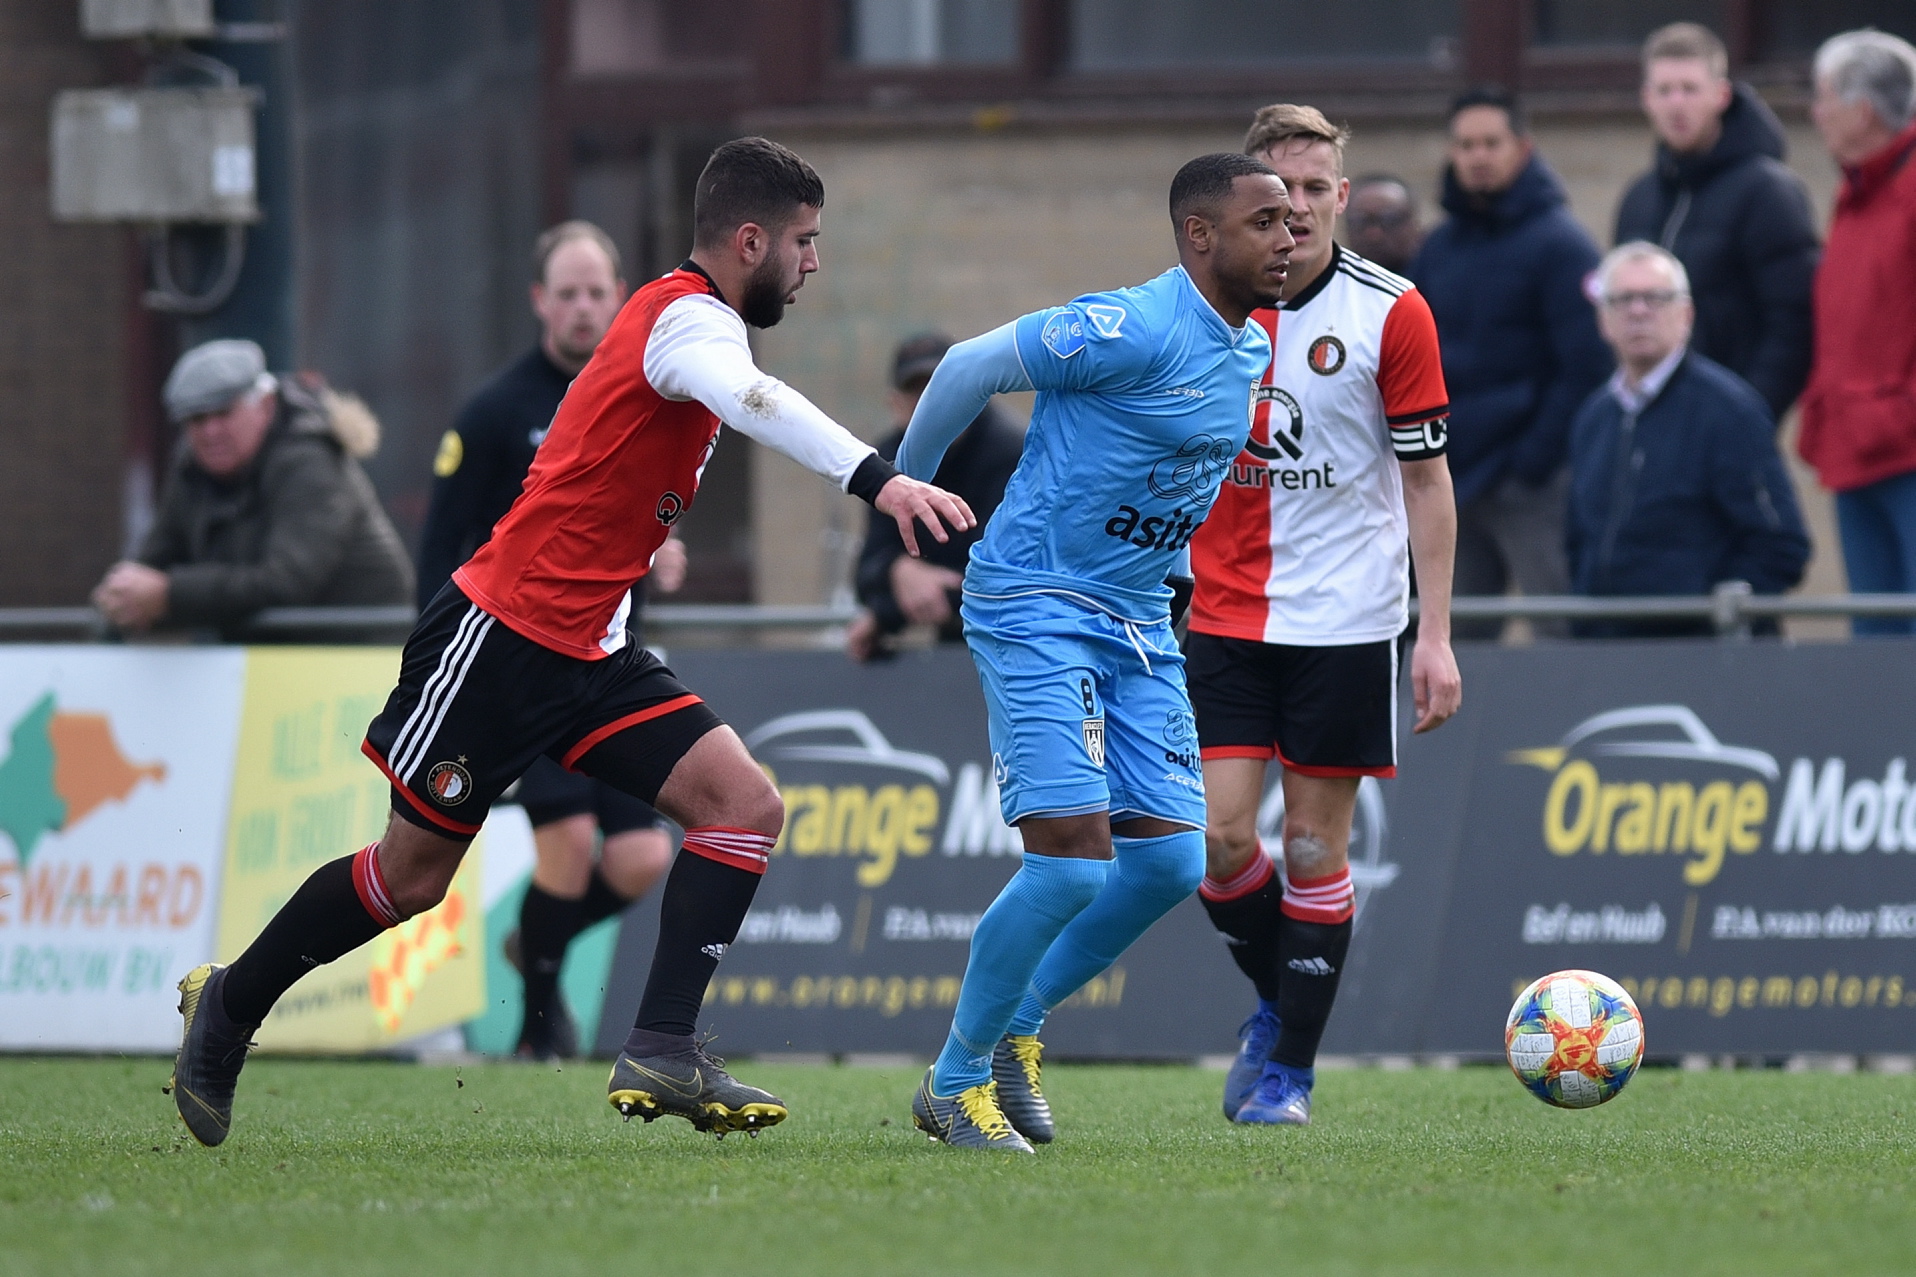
1730,610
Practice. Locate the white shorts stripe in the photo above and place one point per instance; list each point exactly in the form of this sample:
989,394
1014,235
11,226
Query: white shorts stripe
424,740
448,656
406,743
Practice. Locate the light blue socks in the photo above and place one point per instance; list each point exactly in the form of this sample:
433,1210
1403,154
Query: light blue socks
1151,876
1044,895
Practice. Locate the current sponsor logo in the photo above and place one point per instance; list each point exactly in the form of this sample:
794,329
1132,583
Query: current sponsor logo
671,508
1277,437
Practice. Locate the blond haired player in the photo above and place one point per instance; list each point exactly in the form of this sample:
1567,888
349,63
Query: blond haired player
1302,593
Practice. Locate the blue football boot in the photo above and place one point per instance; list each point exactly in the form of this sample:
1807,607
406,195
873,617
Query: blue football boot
1256,1036
1282,1097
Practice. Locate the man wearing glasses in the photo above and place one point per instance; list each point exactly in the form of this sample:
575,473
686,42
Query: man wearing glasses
1676,484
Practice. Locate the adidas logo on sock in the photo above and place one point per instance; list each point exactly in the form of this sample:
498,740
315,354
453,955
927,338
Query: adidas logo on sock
1311,966
713,951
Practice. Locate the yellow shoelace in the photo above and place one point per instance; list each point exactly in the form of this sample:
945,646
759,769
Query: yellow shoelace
1029,1053
980,1104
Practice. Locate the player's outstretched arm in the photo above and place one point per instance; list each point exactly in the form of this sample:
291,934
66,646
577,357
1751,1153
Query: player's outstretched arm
1437,689
966,378
698,351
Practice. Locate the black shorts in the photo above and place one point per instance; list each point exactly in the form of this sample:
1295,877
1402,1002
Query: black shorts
549,792
1320,711
477,703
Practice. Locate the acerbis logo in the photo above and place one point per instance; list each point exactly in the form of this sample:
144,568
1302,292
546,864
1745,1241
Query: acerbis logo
1106,321
1195,469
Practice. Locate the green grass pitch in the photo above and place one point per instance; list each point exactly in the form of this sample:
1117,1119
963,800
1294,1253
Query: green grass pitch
392,1168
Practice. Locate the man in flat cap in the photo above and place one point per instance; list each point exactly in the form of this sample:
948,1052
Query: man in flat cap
266,504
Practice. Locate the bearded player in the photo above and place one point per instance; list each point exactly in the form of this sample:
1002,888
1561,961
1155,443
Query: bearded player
1302,594
525,654
1143,399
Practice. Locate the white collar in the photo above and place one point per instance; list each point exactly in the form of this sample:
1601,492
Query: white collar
1635,398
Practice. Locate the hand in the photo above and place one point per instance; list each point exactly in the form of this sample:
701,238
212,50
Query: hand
1436,688
861,636
920,589
668,566
906,500
132,595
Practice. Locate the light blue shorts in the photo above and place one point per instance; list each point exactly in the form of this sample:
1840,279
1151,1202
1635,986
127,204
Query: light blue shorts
1087,713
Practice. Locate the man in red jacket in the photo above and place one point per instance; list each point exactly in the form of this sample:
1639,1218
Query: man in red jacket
1859,412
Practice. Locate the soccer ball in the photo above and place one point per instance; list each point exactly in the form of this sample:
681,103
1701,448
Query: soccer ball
1574,1038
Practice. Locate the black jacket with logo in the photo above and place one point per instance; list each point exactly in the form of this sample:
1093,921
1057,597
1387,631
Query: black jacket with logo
1740,223
1680,496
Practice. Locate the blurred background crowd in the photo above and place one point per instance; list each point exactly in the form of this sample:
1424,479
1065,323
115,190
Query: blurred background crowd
1670,246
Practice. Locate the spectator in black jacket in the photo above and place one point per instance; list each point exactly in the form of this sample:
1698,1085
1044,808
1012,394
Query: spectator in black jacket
1504,277
1677,483
481,466
895,589
1720,198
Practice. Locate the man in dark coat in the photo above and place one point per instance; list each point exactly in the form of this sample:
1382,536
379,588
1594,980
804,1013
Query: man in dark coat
266,506
1504,276
897,590
1677,485
1720,198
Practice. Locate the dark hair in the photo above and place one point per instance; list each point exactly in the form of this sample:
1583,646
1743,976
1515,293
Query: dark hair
751,179
1491,95
554,238
1203,185
1381,179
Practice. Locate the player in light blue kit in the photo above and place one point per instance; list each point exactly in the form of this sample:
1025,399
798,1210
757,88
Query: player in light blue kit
1144,399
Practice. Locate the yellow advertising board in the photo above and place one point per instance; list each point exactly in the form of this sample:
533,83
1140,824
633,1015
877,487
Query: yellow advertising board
303,794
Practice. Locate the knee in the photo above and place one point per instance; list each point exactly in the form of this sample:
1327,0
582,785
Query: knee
1172,869
414,893
1228,849
1308,856
762,810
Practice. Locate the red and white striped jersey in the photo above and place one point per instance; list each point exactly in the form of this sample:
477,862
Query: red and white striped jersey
1308,543
623,459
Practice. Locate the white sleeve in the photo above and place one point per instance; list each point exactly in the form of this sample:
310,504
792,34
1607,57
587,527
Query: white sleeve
698,350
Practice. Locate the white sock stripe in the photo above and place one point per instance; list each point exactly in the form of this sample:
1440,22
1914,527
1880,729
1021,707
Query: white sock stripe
441,698
420,711
758,842
378,888
445,703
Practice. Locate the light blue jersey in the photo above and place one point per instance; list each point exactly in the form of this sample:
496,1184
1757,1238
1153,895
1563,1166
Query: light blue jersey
1144,399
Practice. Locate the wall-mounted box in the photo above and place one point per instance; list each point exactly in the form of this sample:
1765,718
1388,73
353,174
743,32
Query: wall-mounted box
154,155
121,19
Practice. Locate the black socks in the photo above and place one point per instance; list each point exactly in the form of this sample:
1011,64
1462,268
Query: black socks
1249,923
699,916
547,924
601,901
324,921
1312,959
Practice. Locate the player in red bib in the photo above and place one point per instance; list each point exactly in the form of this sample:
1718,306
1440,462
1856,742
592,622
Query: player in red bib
1302,593
525,653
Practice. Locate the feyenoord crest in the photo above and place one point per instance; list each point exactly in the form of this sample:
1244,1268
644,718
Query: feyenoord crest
1326,356
1094,740
449,784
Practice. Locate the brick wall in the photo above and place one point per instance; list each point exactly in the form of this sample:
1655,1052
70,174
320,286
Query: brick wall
63,333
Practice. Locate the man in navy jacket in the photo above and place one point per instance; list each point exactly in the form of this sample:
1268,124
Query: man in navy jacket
1504,277
1676,482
